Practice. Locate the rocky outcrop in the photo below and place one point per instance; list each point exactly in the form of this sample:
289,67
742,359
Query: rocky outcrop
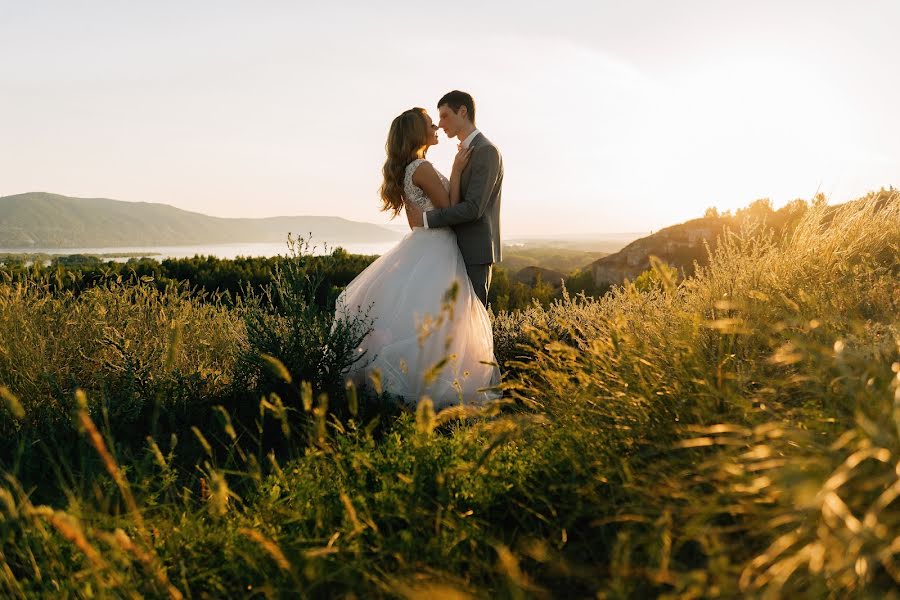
680,246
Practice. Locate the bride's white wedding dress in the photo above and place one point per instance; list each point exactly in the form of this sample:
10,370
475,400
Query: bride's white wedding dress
423,310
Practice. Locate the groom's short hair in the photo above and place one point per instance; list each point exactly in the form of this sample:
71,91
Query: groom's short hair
456,99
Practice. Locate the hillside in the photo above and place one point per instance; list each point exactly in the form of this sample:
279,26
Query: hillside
685,244
544,254
39,219
530,275
678,245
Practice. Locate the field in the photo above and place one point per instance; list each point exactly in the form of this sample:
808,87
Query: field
734,434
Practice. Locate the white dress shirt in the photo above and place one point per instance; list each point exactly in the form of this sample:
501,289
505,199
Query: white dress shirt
468,141
465,144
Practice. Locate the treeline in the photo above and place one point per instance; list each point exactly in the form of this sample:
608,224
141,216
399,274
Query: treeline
230,280
509,293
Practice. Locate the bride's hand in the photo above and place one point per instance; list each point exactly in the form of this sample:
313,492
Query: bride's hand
461,160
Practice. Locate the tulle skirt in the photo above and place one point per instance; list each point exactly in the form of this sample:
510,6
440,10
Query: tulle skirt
431,336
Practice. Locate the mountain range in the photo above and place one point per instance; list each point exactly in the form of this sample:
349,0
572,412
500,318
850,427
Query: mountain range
43,220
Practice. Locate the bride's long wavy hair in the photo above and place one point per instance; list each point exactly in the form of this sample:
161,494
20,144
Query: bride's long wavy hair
407,140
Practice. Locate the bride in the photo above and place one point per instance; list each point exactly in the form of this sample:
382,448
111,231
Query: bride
431,336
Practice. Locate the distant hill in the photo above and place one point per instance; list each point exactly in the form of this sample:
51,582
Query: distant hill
530,275
600,244
42,220
678,245
517,256
686,243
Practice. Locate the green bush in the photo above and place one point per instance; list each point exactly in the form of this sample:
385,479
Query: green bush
287,323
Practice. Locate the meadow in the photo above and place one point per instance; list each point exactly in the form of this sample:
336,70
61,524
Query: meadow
732,434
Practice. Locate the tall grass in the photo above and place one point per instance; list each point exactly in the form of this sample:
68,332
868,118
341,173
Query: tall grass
734,434
144,357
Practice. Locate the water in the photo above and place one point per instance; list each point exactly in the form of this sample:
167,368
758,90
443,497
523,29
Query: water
225,251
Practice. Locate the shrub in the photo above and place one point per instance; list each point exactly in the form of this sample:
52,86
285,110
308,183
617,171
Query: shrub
286,322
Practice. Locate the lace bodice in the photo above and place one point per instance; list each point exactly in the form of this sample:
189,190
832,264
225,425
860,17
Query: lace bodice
413,192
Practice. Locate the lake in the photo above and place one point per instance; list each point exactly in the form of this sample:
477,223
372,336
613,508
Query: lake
227,251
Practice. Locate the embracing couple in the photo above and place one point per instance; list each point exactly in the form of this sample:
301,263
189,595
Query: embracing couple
426,297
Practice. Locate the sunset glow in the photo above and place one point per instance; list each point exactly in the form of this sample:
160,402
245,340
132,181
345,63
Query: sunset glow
609,118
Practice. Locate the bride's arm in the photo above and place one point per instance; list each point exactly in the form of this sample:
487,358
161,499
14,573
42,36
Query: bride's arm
427,178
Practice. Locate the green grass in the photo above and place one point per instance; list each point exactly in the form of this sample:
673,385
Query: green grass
734,434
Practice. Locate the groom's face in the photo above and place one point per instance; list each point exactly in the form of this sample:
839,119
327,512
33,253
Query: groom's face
451,122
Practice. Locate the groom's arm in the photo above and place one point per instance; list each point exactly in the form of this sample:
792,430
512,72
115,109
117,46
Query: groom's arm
485,170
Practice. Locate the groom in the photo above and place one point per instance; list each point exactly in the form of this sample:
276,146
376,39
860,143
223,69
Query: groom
476,219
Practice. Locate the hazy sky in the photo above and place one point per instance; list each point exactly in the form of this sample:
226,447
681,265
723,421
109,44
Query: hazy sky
611,116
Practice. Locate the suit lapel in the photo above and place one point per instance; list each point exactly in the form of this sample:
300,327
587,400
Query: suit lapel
466,175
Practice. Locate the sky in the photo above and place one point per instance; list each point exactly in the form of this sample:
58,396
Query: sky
610,116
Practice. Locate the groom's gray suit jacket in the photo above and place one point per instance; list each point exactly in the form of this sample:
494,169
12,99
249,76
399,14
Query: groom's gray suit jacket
476,218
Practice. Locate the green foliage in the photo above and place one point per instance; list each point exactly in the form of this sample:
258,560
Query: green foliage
228,281
206,277
733,434
509,294
147,359
287,321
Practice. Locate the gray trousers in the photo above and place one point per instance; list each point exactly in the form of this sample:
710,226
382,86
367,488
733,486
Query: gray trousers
480,275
